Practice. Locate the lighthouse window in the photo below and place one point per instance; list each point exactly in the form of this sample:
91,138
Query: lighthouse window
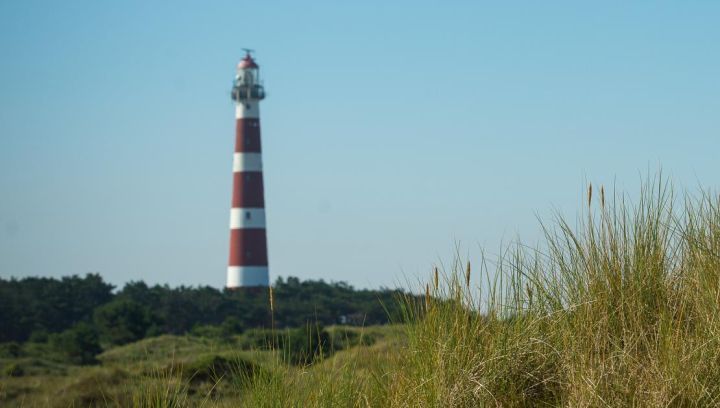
247,215
248,106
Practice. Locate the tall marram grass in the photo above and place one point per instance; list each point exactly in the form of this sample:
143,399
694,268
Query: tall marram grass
621,310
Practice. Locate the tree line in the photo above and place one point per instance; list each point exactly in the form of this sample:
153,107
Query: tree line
76,309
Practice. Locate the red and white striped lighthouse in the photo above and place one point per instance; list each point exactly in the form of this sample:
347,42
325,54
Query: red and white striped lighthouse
248,266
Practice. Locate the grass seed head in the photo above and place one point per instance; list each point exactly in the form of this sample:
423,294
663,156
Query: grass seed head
427,297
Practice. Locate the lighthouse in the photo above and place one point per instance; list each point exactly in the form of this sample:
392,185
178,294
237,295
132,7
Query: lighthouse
248,265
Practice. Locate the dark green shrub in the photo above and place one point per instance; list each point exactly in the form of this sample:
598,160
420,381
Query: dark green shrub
206,368
80,344
304,345
299,346
153,331
343,338
122,321
39,336
96,388
13,370
212,368
231,326
10,350
225,331
256,339
208,331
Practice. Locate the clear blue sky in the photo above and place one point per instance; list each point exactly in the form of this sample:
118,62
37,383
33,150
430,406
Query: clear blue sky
391,131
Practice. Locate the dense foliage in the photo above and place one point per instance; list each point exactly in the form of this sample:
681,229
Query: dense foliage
80,343
47,305
36,307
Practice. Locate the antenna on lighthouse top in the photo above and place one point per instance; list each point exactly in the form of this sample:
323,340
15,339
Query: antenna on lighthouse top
247,62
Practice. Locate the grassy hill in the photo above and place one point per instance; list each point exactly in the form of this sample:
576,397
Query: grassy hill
619,308
182,371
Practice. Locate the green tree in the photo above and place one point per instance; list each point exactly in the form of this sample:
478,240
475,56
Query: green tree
122,321
53,305
80,344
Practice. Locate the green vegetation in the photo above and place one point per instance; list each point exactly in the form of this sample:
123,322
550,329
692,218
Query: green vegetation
170,370
79,344
122,321
620,310
617,309
34,308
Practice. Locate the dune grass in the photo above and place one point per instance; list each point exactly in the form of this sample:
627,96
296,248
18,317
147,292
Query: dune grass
619,308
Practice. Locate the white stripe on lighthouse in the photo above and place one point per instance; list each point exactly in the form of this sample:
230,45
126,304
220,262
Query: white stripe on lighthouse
247,218
247,162
247,109
247,276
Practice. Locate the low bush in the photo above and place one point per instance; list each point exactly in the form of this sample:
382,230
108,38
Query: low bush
10,350
122,321
257,339
80,344
215,367
342,338
304,345
97,387
13,370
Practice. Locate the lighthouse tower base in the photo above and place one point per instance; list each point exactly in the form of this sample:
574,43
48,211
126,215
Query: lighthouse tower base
243,276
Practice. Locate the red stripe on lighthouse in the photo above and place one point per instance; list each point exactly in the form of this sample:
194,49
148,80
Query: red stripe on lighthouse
248,189
247,247
247,131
